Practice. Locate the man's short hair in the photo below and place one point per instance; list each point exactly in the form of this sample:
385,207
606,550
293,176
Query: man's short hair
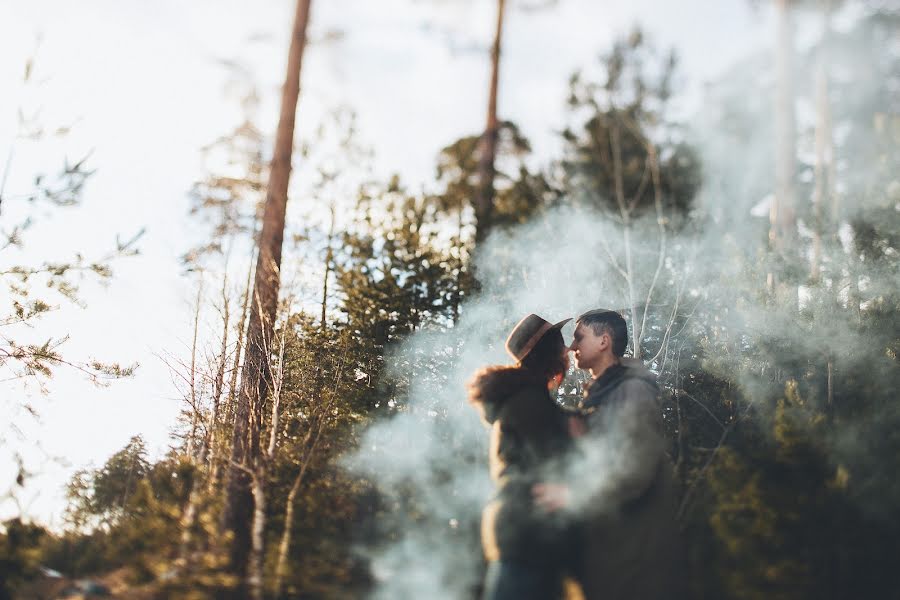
601,321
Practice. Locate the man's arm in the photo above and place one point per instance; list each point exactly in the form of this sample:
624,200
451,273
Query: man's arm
627,462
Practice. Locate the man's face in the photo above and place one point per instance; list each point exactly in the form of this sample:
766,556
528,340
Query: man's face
588,346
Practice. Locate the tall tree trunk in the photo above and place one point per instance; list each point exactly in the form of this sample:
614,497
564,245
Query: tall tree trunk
239,347
457,292
195,411
257,537
615,145
208,447
310,443
782,217
228,419
329,257
259,476
484,202
219,381
212,434
284,546
636,319
824,146
264,300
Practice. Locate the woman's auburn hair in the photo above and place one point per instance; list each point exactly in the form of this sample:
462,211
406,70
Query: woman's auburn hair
546,359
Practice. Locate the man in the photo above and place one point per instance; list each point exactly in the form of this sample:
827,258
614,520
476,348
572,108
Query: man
621,481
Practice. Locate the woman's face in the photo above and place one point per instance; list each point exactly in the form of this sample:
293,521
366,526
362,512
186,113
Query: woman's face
565,357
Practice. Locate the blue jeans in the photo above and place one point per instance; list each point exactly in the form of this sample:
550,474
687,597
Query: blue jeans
506,580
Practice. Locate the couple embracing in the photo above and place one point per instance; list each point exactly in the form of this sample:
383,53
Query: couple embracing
584,502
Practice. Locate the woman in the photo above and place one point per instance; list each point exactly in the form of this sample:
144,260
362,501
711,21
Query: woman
527,549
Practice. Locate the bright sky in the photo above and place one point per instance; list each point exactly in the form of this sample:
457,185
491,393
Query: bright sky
143,84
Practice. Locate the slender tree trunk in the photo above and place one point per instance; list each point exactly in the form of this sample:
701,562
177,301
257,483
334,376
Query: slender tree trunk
484,203
824,146
257,537
854,296
457,293
219,381
188,518
193,374
127,491
259,478
248,411
311,443
329,256
653,165
228,420
284,546
636,319
782,217
239,348
212,435
625,214
208,447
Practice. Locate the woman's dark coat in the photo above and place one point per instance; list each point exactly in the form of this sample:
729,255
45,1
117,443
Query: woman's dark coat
528,434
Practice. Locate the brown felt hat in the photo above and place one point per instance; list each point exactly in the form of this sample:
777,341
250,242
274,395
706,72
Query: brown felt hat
527,333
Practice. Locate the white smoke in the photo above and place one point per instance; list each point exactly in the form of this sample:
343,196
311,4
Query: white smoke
558,265
437,447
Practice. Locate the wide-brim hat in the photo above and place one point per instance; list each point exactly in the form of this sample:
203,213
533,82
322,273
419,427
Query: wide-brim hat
527,333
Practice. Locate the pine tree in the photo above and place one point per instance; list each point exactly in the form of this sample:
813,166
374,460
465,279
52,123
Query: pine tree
248,412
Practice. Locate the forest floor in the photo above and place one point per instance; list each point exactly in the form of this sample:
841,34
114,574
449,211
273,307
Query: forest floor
117,582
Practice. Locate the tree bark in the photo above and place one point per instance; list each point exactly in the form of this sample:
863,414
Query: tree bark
257,547
239,348
625,215
219,381
311,443
228,419
188,515
484,202
248,411
457,292
188,518
636,319
824,146
195,412
208,447
212,440
329,257
782,214
285,545
259,475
